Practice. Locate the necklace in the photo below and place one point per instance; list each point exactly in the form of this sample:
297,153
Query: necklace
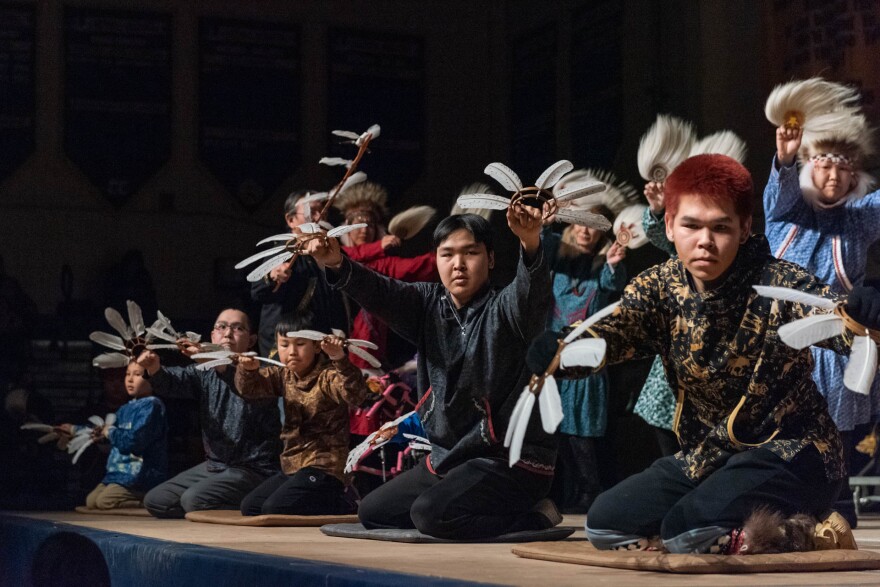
455,314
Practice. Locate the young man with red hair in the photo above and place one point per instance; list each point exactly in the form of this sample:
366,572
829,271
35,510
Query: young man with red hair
755,433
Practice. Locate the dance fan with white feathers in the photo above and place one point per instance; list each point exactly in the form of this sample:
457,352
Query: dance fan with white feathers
355,346
385,434
163,330
295,244
805,332
83,438
589,352
539,195
666,144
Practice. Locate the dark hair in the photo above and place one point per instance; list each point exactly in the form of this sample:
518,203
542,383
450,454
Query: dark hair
476,225
292,199
247,318
292,322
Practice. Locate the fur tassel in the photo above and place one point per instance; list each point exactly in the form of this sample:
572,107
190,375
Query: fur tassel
410,222
813,103
768,532
723,142
666,144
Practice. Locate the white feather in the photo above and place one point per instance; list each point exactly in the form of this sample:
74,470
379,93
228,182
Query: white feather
111,361
213,355
79,439
579,190
359,352
316,197
260,255
588,352
515,415
108,340
82,449
47,438
550,405
482,201
263,270
271,361
37,426
340,230
583,218
307,334
723,142
164,320
335,161
98,421
161,334
211,364
156,347
553,174
606,311
793,295
110,419
374,131
520,426
115,320
362,343
276,238
806,332
347,134
309,227
135,317
354,179
410,222
505,176
862,366
208,347
666,144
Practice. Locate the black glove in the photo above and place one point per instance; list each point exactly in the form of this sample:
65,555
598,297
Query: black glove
863,306
541,351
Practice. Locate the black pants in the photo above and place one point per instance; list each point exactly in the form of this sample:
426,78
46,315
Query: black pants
576,483
689,516
308,492
477,499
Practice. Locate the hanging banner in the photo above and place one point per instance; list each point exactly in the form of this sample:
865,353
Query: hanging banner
117,96
17,97
249,105
533,102
379,78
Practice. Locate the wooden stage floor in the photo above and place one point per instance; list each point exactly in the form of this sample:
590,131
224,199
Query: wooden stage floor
484,563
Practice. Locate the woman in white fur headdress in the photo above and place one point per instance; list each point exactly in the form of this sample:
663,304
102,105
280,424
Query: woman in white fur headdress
587,275
823,216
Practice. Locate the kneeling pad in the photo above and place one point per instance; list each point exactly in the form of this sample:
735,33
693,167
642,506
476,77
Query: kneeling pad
139,512
414,536
234,518
584,553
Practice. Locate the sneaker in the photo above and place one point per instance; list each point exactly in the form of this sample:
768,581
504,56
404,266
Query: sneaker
547,509
834,533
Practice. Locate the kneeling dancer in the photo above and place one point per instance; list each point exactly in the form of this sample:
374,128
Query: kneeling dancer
761,459
471,342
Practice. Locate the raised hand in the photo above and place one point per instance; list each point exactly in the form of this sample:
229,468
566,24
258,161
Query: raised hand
149,361
281,274
333,346
616,254
526,223
390,241
788,142
654,195
326,252
248,363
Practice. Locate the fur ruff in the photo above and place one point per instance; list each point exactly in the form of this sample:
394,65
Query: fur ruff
767,532
865,182
365,195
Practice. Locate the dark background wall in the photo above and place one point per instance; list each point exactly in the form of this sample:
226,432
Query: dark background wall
178,128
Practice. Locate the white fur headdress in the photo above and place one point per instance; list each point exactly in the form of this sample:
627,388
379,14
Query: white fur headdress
666,144
616,196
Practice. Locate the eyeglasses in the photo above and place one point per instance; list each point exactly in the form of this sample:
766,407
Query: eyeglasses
236,327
